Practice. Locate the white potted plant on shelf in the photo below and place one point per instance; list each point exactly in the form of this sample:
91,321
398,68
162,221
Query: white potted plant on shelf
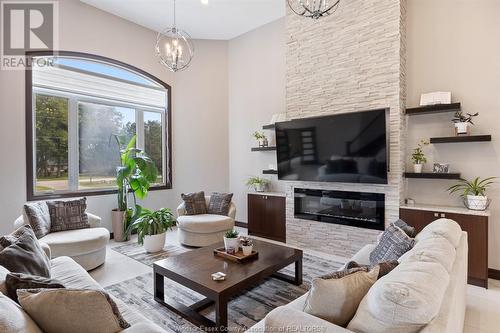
418,156
231,240
462,122
261,138
151,227
473,192
246,245
257,183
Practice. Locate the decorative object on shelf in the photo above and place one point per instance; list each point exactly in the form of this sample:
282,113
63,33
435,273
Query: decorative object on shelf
246,245
418,156
434,98
473,192
258,184
174,48
151,227
409,201
441,168
261,138
135,175
313,8
462,122
231,240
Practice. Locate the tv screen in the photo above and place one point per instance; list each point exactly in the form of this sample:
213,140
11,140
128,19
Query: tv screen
347,148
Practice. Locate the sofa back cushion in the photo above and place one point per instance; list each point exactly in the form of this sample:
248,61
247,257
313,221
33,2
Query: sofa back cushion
432,249
446,228
403,301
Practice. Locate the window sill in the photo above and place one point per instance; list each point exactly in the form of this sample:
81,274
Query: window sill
38,197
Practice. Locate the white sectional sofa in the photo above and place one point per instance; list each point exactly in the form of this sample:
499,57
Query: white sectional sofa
425,293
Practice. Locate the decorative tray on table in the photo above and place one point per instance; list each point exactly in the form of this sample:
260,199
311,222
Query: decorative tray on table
237,257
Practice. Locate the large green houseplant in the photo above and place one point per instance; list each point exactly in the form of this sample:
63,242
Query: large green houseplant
136,173
151,227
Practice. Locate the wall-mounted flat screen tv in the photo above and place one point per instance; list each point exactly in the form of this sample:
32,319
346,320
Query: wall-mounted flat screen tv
346,148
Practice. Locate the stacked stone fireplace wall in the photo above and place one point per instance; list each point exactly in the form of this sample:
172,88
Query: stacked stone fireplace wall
353,60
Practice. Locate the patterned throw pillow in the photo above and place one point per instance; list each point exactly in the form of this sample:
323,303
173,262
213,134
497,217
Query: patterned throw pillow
408,229
15,281
68,215
393,244
219,203
37,214
195,203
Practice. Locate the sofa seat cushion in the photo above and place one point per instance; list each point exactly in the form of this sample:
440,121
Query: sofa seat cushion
433,249
205,223
76,242
446,228
403,301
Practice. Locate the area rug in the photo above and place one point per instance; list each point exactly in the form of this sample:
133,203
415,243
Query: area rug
244,310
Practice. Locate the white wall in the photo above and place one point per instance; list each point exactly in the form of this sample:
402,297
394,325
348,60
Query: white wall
199,109
454,46
256,91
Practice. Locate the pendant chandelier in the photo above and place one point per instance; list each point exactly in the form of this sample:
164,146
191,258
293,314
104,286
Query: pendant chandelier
313,8
174,48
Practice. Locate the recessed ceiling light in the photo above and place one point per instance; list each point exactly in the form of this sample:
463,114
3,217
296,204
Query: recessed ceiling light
205,2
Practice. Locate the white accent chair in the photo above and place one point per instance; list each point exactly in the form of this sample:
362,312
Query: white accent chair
203,229
86,246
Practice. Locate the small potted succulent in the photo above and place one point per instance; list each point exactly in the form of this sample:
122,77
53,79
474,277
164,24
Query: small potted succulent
462,122
231,241
257,183
418,156
246,245
261,138
473,192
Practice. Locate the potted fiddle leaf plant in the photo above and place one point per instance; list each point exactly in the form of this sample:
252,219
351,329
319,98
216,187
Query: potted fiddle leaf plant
231,241
136,173
462,122
261,138
257,183
418,156
151,227
473,192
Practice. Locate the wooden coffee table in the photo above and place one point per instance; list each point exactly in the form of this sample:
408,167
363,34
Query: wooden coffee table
193,270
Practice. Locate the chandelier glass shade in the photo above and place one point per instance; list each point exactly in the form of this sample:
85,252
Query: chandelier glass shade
313,8
174,48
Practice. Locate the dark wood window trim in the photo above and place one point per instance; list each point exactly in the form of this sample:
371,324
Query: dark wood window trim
29,126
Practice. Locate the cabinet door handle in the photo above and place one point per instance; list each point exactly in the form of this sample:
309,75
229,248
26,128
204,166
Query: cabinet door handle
436,214
443,215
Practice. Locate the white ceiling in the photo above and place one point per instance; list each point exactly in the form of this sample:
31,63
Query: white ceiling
219,19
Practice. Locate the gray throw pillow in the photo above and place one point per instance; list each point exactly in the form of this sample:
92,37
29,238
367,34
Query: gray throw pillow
393,244
26,255
8,240
37,214
15,281
68,215
194,203
385,267
219,203
408,229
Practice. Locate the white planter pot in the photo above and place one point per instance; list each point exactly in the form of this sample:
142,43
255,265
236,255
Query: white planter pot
462,128
477,202
417,168
260,187
231,242
247,250
154,243
118,225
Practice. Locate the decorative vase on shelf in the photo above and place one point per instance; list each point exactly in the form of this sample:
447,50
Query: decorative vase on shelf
462,128
417,168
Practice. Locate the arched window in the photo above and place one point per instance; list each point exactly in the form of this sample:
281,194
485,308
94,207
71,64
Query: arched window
77,106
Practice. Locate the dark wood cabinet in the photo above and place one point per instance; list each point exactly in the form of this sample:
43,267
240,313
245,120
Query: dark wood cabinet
476,227
266,216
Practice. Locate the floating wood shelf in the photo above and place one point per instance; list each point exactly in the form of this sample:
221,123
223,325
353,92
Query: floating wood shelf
432,175
270,172
263,148
438,108
465,138
269,127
